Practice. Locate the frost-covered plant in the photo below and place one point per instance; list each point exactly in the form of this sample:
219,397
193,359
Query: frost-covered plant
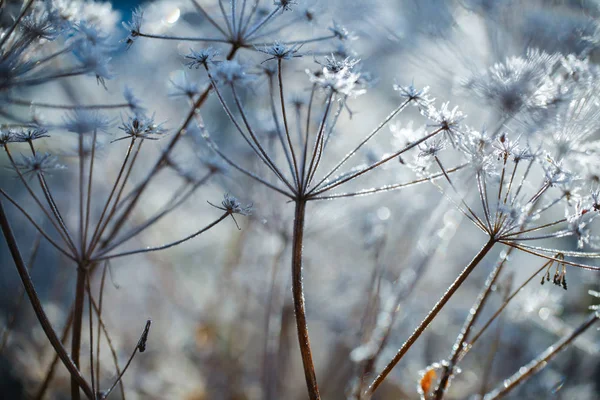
280,109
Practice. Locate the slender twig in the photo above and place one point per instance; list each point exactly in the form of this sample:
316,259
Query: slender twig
431,315
285,123
12,28
538,364
141,347
37,306
28,103
103,257
299,307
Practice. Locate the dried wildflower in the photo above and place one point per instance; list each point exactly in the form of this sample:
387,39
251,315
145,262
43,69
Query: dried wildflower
39,26
337,76
134,26
141,126
6,137
93,36
556,173
201,58
332,64
232,205
419,97
30,135
431,148
230,73
579,226
94,59
280,51
84,121
516,83
446,119
38,163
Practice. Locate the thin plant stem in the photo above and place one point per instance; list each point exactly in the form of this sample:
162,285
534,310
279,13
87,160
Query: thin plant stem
110,345
99,315
77,325
538,364
317,191
502,307
160,162
37,227
12,28
475,312
184,38
27,103
208,17
364,141
141,347
89,191
174,202
103,257
431,315
299,307
39,310
285,124
91,332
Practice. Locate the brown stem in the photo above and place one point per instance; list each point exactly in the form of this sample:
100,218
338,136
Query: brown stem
431,315
459,347
298,294
76,376
160,162
541,362
77,324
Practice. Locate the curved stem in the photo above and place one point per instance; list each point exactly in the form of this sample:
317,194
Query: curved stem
432,314
299,308
541,362
39,310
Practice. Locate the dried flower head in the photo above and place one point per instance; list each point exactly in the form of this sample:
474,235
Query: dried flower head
141,126
232,205
82,121
134,26
38,163
201,58
280,51
30,135
230,73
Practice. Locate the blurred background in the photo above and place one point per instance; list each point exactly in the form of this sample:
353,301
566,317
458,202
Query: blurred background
223,324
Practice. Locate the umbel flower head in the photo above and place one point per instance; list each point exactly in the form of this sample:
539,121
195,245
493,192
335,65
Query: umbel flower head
38,163
201,58
141,126
29,135
232,205
230,73
82,121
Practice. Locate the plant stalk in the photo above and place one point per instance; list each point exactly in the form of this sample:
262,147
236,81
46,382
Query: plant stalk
77,325
56,343
431,315
299,308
